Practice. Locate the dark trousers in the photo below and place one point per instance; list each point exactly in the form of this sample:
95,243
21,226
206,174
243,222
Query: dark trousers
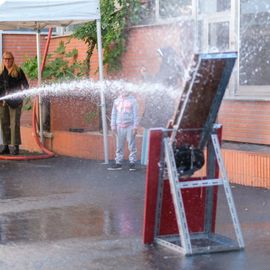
10,124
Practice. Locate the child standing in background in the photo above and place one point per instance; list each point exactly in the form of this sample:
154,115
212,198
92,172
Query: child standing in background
124,125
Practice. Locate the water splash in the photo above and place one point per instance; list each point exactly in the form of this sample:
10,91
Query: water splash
93,88
158,95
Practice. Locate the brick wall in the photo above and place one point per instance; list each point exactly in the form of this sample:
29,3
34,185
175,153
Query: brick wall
74,113
142,49
22,46
245,121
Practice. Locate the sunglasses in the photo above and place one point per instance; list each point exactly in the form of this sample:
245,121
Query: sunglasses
8,59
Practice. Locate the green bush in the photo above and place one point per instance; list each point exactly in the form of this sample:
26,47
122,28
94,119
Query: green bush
116,18
64,66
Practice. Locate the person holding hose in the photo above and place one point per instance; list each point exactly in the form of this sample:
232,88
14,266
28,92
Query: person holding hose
12,79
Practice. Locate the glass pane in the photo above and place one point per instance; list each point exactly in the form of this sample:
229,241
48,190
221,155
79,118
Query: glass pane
43,30
174,8
212,6
200,35
147,12
223,5
218,36
255,42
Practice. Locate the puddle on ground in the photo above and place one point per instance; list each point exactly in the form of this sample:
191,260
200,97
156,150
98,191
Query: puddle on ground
11,188
67,222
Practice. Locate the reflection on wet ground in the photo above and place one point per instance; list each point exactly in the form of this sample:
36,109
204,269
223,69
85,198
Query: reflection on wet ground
66,222
74,214
52,224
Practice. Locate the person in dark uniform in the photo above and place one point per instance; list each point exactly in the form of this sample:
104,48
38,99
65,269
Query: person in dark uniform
12,79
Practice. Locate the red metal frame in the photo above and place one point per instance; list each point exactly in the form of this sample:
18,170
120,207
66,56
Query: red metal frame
194,198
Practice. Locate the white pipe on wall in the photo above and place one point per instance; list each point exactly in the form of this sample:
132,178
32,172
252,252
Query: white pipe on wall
102,98
39,84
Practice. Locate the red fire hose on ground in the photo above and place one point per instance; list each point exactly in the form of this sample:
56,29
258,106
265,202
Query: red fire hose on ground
47,153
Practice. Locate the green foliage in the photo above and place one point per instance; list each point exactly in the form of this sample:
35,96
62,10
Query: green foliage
73,53
27,104
90,116
61,48
116,18
30,68
64,66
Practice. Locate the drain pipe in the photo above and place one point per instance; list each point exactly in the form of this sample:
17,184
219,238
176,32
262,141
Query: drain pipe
46,49
102,98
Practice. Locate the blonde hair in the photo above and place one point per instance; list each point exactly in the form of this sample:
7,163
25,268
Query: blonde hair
14,70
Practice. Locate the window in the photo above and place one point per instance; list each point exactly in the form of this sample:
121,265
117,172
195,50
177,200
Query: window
255,43
174,8
158,10
214,27
223,5
212,6
219,36
147,12
29,30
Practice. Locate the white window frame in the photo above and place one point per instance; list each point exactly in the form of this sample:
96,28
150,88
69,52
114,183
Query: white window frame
160,19
244,91
235,90
219,17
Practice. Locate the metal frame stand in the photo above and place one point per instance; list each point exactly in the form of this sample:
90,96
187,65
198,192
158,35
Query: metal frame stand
200,242
180,212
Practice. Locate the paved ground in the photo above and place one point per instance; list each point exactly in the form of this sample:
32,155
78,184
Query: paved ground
66,213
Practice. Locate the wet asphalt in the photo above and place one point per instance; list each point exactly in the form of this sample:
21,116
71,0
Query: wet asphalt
74,214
